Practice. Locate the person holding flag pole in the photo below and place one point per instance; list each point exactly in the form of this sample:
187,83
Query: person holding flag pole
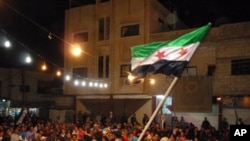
22,116
167,57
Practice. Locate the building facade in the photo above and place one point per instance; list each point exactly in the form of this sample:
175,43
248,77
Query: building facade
36,91
106,30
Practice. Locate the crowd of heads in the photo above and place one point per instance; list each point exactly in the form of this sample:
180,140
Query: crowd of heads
96,128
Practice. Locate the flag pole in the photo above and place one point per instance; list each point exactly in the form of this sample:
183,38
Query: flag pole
158,108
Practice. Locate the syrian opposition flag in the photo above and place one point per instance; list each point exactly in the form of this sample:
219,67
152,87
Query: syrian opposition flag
168,57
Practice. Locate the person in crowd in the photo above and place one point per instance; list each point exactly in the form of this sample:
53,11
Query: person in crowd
135,135
81,133
164,139
96,131
172,137
75,130
38,135
124,118
175,122
205,123
22,132
148,135
1,135
182,123
239,122
133,119
74,137
97,135
167,131
124,135
15,136
190,132
62,134
156,137
182,136
105,138
43,138
68,137
31,133
88,135
7,134
224,124
145,119
47,130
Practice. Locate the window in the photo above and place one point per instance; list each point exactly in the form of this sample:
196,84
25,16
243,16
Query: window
107,67
43,87
130,30
240,66
104,1
189,71
104,28
80,73
103,66
81,37
24,88
100,67
210,70
125,69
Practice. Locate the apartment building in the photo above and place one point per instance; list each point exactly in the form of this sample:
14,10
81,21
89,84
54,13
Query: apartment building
106,30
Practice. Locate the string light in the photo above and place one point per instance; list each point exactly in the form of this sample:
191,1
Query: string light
58,73
101,85
28,59
76,82
76,51
7,44
44,67
67,78
90,84
83,83
96,84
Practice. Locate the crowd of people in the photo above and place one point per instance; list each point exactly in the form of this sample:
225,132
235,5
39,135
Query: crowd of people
98,128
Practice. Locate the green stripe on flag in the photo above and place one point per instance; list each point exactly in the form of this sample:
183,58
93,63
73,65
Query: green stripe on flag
145,50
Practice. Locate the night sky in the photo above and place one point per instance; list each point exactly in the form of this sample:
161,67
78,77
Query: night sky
29,22
195,13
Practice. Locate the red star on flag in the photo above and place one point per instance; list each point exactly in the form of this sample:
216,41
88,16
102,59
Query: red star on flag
160,54
183,51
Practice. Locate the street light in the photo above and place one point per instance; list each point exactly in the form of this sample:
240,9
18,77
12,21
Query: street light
76,50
